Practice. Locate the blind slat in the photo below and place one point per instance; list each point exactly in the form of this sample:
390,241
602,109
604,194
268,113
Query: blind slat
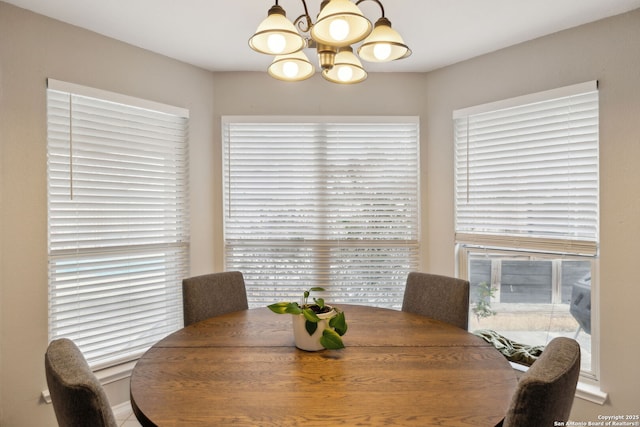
322,203
118,222
527,173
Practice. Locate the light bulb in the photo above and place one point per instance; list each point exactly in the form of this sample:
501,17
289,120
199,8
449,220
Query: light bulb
339,29
290,69
276,43
382,51
345,73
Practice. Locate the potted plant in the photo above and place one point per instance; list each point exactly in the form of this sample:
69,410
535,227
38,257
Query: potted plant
316,326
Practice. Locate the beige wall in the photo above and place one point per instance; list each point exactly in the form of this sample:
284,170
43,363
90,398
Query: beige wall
33,48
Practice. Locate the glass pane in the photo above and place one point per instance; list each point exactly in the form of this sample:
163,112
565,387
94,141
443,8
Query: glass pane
531,299
526,282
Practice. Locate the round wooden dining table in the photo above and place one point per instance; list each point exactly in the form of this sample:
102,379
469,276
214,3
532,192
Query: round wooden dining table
398,369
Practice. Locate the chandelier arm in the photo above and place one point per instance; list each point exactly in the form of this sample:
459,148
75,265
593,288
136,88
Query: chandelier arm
376,1
303,22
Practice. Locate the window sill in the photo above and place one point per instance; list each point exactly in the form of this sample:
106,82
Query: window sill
588,390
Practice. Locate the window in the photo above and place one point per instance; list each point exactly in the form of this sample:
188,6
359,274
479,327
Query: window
527,215
322,202
118,224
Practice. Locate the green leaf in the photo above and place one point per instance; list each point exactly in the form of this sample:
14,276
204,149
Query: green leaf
293,308
285,307
311,327
331,340
310,315
339,323
279,307
317,289
319,301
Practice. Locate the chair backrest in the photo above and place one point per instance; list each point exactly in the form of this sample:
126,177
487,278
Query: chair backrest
213,294
439,297
77,396
545,392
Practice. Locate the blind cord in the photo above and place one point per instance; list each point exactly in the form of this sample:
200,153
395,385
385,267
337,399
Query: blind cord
70,147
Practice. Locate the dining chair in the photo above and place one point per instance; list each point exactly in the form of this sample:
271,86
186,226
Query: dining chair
440,297
544,395
77,396
213,294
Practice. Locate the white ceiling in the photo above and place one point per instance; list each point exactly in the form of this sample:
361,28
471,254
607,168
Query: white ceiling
213,34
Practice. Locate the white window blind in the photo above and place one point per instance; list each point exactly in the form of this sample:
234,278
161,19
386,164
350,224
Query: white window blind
118,221
527,172
322,202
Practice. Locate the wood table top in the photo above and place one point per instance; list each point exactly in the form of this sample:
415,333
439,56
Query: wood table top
398,369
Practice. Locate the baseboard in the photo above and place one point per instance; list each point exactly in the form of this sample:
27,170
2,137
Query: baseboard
122,410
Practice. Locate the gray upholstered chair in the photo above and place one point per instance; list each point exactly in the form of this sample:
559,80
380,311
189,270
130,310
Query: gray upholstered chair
545,392
440,297
77,396
213,294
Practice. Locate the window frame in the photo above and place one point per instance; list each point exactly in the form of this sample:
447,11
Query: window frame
540,247
292,120
101,170
463,256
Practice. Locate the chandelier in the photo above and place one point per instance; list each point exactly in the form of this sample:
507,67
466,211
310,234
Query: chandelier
339,25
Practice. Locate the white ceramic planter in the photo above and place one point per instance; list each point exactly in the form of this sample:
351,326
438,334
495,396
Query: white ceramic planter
307,342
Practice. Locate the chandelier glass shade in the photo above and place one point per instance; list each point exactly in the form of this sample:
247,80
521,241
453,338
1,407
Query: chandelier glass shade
291,68
339,25
346,69
384,44
276,35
